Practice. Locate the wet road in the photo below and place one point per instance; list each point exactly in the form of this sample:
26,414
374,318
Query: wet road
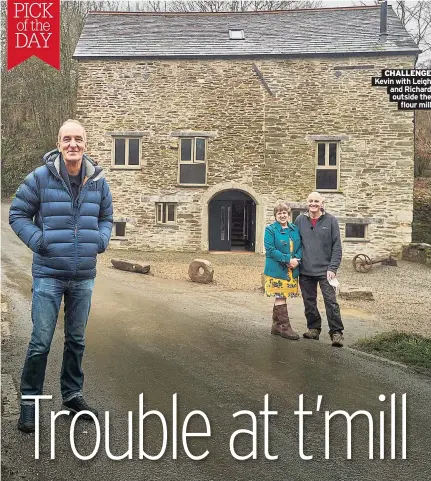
212,349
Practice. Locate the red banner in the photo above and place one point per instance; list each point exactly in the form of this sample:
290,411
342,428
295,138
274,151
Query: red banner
33,28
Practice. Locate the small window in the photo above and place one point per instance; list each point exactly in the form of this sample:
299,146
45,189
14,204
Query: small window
166,213
126,152
296,213
327,166
119,229
356,231
236,34
192,168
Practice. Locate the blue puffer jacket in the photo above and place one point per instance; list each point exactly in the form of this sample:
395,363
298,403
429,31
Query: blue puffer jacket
277,246
65,235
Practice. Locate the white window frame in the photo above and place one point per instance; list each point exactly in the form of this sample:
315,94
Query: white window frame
193,159
327,166
365,238
126,166
164,205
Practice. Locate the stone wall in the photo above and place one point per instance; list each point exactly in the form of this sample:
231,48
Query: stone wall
263,142
418,252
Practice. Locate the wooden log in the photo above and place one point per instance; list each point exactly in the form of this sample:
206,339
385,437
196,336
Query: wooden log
141,267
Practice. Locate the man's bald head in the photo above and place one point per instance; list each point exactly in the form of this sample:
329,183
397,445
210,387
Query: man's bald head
315,204
74,123
315,196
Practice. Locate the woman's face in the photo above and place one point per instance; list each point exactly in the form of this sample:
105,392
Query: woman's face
282,216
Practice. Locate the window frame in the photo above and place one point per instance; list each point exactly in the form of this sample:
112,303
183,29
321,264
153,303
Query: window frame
233,31
164,205
193,159
361,239
126,166
327,166
114,228
300,210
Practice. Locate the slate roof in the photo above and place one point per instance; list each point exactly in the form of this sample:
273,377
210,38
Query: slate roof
313,32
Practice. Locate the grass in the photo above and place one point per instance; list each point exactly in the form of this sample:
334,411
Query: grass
413,350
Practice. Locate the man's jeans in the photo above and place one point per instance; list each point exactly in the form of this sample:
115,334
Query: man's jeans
308,286
47,295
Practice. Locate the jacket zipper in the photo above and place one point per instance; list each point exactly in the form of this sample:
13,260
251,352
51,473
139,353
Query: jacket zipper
74,213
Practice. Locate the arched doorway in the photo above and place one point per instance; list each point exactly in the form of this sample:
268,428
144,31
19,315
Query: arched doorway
232,221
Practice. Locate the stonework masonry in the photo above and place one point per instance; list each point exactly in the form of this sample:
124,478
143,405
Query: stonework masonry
263,141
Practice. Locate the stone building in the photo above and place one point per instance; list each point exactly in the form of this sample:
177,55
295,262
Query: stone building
204,121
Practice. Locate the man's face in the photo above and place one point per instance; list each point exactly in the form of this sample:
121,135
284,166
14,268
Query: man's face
72,142
315,203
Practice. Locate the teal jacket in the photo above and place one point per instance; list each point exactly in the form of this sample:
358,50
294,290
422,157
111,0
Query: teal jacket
277,246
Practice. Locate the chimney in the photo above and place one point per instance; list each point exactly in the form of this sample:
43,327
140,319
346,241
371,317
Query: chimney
383,21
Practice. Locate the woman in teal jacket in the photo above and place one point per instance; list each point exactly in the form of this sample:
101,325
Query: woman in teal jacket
283,255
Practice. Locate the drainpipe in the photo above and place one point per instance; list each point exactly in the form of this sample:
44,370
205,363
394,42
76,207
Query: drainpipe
383,21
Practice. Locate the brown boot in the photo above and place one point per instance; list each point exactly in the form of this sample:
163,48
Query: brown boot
281,323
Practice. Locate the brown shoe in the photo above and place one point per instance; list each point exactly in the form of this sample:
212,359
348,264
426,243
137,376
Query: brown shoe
281,323
337,339
312,334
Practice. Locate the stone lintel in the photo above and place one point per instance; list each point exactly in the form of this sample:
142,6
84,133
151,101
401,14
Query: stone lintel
327,138
298,205
128,133
194,133
173,199
360,220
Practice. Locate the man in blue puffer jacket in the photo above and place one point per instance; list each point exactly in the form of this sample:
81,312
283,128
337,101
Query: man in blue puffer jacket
63,213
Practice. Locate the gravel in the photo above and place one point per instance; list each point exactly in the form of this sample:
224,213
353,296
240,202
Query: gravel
402,295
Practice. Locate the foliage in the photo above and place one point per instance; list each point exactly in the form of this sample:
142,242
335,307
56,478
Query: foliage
421,211
423,143
411,349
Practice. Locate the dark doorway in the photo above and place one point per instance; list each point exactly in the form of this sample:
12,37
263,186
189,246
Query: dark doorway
232,222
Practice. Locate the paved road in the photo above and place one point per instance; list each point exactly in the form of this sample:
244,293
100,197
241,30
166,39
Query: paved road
212,348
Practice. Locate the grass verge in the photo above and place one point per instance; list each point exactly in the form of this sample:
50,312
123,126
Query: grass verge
410,349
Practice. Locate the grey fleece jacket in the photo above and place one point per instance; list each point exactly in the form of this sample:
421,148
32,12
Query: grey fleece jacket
321,245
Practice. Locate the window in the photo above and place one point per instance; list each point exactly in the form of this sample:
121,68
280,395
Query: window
119,229
296,213
236,34
126,152
327,166
356,231
193,169
166,213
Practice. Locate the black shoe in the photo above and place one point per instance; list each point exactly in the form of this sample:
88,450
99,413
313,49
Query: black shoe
26,419
78,404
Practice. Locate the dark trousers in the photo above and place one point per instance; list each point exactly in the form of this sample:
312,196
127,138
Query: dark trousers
308,286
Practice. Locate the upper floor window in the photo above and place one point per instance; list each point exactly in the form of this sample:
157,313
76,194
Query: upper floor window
328,166
193,168
126,152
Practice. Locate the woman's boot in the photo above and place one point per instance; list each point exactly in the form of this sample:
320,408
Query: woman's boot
281,323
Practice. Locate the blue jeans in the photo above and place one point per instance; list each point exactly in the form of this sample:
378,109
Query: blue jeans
47,295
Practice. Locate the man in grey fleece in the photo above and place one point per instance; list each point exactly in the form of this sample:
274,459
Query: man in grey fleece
321,258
